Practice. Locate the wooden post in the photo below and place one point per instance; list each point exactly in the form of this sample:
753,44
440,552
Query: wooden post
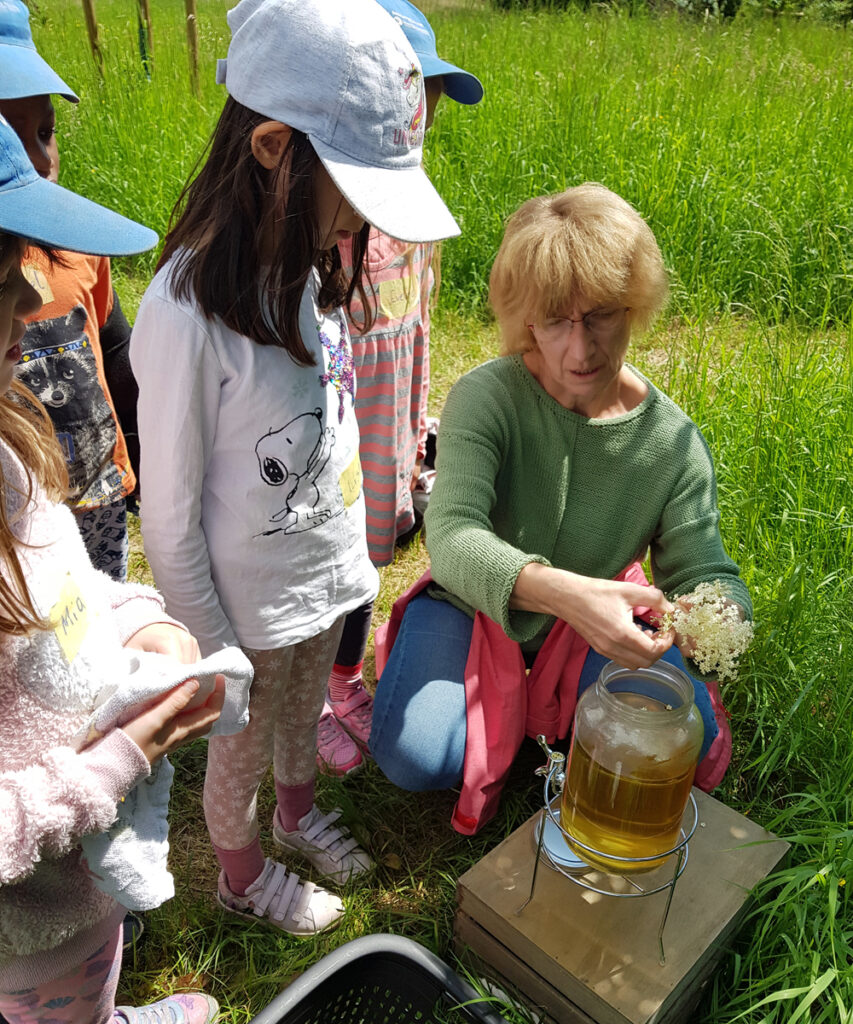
146,45
92,29
192,42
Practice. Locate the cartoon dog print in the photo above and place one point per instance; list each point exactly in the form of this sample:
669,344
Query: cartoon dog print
278,454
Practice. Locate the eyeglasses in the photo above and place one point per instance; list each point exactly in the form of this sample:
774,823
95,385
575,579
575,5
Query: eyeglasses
601,323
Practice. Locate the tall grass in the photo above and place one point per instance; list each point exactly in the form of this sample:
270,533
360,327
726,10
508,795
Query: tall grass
734,140
731,139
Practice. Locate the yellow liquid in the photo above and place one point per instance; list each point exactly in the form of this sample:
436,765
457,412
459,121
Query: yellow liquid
624,816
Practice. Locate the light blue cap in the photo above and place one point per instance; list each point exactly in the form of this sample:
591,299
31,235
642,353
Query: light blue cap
459,85
23,72
41,211
343,72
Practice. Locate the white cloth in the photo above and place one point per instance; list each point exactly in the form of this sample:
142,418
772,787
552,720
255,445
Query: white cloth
151,675
252,509
130,861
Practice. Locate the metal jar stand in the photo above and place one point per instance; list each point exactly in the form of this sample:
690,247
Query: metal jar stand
554,772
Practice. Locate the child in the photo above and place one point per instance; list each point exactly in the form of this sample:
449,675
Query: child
75,352
252,510
62,627
392,369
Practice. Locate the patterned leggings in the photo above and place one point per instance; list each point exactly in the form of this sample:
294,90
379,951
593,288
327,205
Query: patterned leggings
284,706
83,996
104,532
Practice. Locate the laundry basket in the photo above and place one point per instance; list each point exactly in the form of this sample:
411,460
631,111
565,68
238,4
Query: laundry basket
379,979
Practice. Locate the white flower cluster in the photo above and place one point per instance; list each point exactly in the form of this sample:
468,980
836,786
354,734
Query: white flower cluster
708,618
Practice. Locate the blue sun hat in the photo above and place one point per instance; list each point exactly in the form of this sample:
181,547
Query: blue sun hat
459,85
22,71
39,210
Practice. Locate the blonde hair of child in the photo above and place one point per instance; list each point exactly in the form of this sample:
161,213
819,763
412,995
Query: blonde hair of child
27,429
582,245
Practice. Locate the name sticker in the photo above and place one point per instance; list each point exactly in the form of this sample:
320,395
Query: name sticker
37,279
70,618
398,297
350,481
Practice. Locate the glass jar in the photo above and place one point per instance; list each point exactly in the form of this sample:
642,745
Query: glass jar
635,746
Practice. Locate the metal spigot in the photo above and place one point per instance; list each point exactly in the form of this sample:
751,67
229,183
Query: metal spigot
556,763
554,770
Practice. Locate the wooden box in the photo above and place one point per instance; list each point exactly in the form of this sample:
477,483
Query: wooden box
582,957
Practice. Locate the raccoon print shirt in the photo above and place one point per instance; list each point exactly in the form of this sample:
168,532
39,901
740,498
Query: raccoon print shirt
63,366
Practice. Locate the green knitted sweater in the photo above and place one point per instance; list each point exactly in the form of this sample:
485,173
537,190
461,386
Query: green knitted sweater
522,479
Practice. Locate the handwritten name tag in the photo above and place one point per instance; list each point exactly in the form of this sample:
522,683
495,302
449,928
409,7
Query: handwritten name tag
350,481
70,618
398,297
37,279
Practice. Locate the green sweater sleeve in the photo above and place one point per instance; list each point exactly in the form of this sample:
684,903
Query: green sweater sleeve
477,568
687,548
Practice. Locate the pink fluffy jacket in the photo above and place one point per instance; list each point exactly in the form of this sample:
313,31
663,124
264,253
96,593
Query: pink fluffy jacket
52,792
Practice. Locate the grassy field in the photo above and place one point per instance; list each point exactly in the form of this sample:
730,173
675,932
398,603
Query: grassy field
734,140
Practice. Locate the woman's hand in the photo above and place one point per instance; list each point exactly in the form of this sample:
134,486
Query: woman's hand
166,638
601,611
166,725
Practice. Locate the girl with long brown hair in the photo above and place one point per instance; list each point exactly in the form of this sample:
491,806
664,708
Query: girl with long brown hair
252,505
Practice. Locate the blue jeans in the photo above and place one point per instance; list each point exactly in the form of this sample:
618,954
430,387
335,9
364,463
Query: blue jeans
419,729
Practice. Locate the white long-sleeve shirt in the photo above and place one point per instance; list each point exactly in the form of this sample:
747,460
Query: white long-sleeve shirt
252,507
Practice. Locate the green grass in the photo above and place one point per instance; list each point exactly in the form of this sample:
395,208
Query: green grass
734,140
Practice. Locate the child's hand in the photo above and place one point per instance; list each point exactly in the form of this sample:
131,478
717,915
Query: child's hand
166,725
416,474
165,638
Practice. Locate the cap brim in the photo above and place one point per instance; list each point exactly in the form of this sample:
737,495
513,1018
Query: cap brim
459,85
47,213
23,72
400,202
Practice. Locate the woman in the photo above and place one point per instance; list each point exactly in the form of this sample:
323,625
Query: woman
560,466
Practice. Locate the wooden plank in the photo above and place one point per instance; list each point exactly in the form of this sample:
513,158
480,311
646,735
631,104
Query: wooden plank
601,952
476,946
473,942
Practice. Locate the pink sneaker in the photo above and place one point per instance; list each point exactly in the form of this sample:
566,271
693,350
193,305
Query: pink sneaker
355,714
185,1008
336,752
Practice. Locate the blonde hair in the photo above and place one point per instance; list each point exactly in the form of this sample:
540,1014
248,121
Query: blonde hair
26,428
585,244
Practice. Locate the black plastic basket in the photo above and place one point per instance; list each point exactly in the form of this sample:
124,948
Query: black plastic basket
379,979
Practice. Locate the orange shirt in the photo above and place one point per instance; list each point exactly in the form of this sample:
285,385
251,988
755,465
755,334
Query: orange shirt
63,366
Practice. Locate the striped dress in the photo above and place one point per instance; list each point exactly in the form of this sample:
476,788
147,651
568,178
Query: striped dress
392,374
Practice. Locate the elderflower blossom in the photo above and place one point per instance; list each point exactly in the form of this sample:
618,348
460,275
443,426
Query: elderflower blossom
715,627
